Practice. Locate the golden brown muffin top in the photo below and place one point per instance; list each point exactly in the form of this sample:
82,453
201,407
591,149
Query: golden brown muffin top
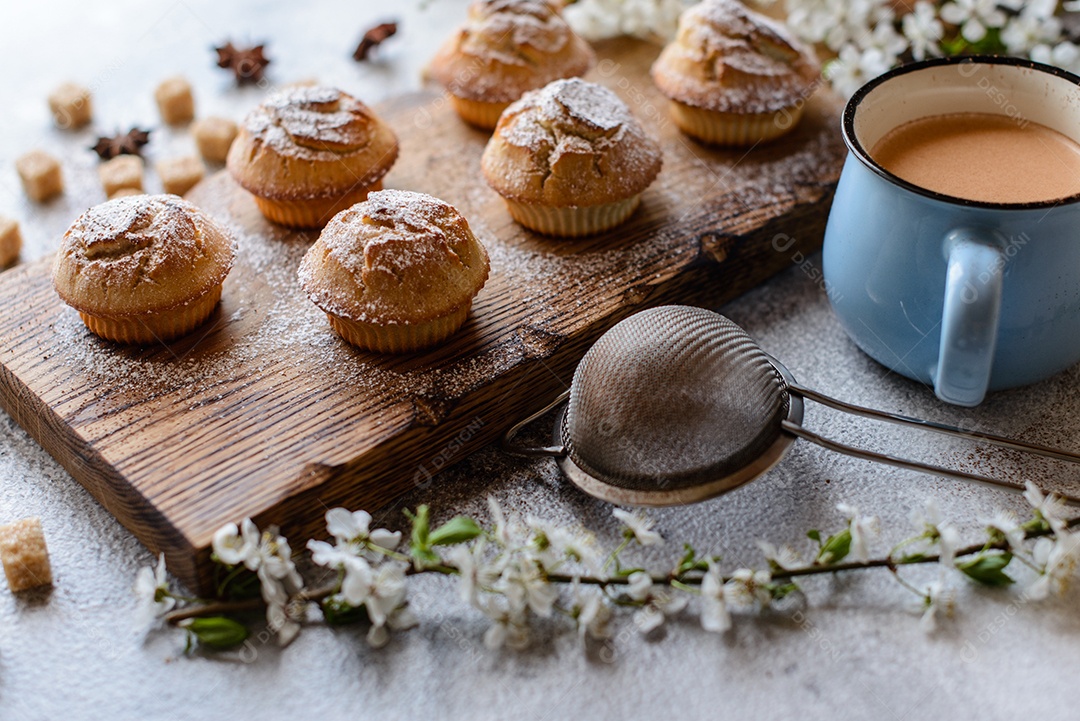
571,143
507,47
729,59
140,254
397,257
310,141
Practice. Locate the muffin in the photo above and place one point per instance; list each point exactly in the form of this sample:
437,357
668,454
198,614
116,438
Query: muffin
569,159
505,48
395,273
143,268
735,77
309,152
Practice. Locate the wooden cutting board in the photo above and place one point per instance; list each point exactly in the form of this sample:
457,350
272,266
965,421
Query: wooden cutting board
264,412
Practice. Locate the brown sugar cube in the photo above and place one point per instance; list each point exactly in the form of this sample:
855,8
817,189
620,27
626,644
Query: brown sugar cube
124,192
40,175
70,105
174,101
213,136
123,171
178,175
10,241
25,555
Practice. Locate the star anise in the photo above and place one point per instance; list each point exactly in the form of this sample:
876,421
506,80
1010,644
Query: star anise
129,143
247,64
372,38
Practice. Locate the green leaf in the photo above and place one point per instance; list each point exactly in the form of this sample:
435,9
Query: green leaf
988,569
1036,525
781,590
218,632
690,561
836,548
911,558
457,530
420,545
627,572
337,612
235,582
814,535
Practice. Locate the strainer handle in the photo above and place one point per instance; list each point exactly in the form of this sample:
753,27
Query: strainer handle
507,444
1011,443
829,444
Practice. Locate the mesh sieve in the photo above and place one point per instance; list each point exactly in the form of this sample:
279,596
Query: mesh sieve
678,404
671,398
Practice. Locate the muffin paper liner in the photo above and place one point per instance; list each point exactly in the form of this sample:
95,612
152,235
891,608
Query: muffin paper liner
478,113
398,337
312,212
716,128
153,327
572,221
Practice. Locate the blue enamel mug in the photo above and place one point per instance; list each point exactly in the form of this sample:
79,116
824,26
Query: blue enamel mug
965,296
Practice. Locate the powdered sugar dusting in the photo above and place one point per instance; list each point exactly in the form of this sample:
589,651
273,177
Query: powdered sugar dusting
404,256
570,118
508,46
311,121
730,59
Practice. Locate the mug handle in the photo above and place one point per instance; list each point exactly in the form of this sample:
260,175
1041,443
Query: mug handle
969,323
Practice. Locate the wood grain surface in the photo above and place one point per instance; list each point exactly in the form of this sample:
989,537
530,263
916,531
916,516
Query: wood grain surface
264,412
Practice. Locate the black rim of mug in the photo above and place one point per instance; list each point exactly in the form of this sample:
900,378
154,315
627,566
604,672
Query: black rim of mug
861,153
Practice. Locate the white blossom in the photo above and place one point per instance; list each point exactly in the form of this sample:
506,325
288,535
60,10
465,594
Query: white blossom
973,17
885,38
354,528
649,19
591,612
1006,524
923,30
639,585
526,586
657,602
279,581
1064,55
323,554
746,586
1034,25
932,525
380,590
595,19
475,574
714,612
785,556
1057,559
234,546
640,526
853,68
152,591
862,528
504,534
267,554
1048,505
556,544
509,627
938,599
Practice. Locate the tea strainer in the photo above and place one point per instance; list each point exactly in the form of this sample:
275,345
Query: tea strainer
678,404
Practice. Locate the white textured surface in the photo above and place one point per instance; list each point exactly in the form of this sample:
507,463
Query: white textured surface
857,653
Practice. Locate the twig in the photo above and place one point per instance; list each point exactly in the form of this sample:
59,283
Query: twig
218,608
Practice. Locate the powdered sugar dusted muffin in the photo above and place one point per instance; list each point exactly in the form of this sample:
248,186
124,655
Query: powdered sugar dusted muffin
143,268
505,48
570,159
735,77
309,152
395,273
